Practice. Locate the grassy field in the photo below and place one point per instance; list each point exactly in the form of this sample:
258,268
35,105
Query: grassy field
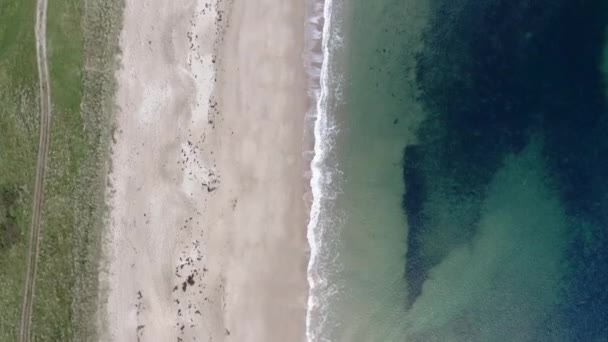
82,40
18,149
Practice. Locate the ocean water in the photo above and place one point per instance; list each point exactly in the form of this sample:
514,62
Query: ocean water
459,177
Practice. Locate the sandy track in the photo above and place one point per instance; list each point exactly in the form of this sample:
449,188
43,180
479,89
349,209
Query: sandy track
43,151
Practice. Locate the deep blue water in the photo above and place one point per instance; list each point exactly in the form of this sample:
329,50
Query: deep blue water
496,77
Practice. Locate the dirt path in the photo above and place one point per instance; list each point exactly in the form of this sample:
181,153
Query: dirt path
43,151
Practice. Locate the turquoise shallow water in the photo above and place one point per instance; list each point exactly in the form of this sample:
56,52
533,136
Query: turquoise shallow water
464,194
367,225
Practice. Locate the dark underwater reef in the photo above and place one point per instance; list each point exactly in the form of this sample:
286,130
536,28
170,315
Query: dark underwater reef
491,75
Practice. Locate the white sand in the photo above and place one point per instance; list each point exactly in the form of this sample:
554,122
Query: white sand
207,176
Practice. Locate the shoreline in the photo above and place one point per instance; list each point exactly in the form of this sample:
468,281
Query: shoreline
319,54
206,236
271,297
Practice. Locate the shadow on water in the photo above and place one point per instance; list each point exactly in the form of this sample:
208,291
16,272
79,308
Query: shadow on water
493,74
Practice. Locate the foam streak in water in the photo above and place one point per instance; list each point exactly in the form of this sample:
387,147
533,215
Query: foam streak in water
317,65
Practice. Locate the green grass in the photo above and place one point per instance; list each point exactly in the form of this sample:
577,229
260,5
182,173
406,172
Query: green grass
79,33
55,279
67,279
18,148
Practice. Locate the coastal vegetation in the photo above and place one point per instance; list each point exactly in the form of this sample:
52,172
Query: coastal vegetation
82,45
18,148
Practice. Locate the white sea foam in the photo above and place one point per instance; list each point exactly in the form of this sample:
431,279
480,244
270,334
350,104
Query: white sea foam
322,249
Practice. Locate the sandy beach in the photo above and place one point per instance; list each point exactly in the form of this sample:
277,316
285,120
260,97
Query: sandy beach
206,237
